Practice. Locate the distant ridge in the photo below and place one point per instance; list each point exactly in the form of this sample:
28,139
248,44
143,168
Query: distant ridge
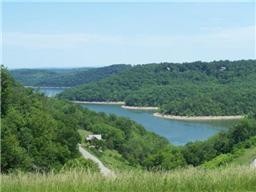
65,77
218,88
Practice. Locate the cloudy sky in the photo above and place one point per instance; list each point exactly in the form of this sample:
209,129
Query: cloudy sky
62,34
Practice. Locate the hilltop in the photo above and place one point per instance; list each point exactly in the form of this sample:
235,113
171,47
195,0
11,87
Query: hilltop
187,89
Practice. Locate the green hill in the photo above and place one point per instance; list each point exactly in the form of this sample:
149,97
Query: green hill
41,134
198,88
242,153
65,77
246,158
33,77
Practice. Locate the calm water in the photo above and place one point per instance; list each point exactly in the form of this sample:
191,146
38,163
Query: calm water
177,132
49,91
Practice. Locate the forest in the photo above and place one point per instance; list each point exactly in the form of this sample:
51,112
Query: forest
64,77
192,89
40,134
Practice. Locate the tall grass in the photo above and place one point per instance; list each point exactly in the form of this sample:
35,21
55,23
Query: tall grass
191,179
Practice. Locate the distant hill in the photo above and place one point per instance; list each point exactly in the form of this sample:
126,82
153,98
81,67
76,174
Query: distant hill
198,88
33,77
64,77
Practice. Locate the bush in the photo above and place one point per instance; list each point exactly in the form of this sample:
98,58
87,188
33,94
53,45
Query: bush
80,164
220,160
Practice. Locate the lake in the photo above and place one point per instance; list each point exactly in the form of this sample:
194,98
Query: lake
177,132
49,91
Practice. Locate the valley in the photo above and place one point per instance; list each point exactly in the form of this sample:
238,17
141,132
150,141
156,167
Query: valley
128,96
177,132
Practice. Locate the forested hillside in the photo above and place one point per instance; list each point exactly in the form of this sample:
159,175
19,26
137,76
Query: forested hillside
33,77
65,77
41,134
198,88
35,136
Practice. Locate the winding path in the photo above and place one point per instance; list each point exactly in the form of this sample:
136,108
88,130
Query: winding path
103,169
253,164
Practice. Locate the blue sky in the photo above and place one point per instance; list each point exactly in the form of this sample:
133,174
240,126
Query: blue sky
37,35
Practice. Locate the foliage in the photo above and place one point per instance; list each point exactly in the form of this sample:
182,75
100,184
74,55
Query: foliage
200,152
65,77
33,138
30,77
129,139
239,151
40,134
80,164
198,88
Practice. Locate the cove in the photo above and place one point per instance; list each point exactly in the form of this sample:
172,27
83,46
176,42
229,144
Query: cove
177,132
48,91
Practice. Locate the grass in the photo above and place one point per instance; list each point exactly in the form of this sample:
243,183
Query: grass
191,179
246,158
114,160
83,133
111,158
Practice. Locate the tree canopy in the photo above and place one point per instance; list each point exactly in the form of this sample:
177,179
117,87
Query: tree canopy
65,77
41,134
198,88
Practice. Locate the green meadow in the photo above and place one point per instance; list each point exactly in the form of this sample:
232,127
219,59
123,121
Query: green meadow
239,178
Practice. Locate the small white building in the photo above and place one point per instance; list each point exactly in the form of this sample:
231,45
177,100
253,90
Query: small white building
222,68
93,137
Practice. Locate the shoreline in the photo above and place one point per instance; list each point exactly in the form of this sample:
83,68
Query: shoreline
198,118
139,108
100,102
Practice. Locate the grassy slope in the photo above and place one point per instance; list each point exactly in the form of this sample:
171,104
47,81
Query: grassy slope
191,179
114,160
246,158
83,133
111,158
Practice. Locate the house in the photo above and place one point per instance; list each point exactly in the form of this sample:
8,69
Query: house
222,68
93,137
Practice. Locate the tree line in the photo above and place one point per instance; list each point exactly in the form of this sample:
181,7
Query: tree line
65,77
198,88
